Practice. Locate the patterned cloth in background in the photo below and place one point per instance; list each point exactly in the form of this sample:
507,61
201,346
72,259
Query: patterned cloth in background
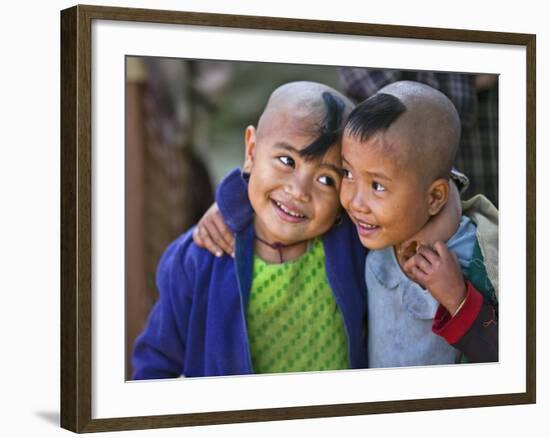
478,153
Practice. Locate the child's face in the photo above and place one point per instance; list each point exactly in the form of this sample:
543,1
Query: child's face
294,199
387,201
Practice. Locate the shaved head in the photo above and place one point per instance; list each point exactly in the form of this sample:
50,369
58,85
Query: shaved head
307,108
417,123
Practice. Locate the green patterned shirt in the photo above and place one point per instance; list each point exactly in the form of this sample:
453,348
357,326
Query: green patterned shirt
294,323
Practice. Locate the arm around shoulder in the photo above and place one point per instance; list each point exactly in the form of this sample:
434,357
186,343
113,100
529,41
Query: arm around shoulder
233,202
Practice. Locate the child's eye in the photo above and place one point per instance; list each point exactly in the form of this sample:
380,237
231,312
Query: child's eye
327,181
378,187
347,174
287,161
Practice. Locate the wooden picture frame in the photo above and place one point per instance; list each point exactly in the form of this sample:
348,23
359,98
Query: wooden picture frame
77,228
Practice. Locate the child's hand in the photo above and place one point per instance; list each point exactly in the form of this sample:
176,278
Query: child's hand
212,233
438,271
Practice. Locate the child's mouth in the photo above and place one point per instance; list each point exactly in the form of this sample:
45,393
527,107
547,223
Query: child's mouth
366,229
286,213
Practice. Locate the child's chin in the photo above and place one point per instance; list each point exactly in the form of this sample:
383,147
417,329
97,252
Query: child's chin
373,244
288,239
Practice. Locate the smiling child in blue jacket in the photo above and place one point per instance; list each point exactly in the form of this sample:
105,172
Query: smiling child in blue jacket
293,298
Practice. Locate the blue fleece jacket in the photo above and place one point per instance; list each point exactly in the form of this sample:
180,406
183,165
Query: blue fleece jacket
198,325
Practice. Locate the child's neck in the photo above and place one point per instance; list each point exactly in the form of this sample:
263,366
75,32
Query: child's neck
273,252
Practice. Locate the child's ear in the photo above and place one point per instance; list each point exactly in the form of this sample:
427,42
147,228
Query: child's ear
438,195
250,148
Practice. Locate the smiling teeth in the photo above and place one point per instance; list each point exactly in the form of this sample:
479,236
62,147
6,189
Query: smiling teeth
287,211
367,226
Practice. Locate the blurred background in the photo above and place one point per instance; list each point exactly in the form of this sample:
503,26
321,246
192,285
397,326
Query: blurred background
185,123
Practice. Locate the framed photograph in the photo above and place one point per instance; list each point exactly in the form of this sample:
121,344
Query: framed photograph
154,109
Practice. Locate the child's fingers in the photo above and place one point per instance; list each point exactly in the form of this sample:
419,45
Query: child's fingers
412,265
197,237
427,252
418,275
202,234
409,264
225,233
216,235
422,263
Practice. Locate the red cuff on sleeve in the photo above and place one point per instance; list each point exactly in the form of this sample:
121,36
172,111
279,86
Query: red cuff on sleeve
453,328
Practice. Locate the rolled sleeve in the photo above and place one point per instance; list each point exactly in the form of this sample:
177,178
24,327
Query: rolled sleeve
453,328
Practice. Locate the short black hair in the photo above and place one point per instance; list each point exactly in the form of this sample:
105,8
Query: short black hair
330,129
373,115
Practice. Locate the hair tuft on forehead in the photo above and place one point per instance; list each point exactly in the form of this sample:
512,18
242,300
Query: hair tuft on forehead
376,114
330,128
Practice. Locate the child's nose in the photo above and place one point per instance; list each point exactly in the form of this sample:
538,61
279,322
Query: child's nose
299,189
359,202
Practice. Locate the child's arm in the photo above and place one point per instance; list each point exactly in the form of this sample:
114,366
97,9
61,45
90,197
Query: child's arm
231,213
440,227
463,319
473,331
